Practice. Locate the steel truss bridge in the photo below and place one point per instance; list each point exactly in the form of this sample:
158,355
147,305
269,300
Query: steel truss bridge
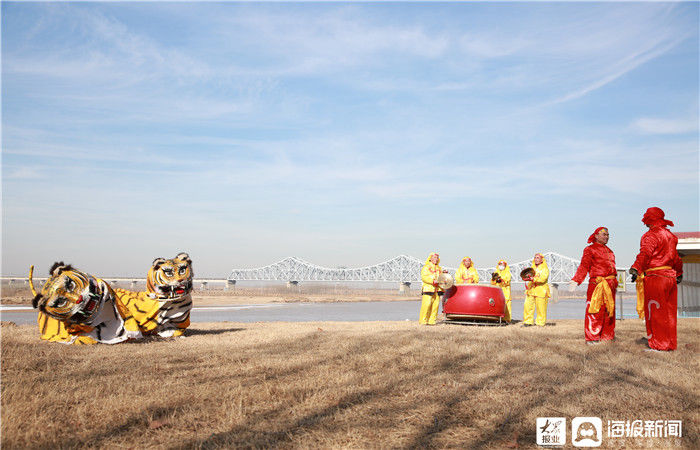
403,269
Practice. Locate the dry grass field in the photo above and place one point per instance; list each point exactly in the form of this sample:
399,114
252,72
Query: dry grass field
341,385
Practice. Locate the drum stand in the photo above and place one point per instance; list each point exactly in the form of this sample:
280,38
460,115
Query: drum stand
480,323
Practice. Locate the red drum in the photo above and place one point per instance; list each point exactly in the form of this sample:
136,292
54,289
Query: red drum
472,301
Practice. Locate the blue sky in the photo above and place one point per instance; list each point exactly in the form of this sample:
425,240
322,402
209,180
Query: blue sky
344,134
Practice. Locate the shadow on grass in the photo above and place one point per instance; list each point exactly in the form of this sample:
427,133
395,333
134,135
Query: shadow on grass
244,436
533,326
135,422
275,427
571,393
249,435
196,332
474,323
148,339
642,341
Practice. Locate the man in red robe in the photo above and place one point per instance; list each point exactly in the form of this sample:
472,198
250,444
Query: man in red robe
598,262
660,269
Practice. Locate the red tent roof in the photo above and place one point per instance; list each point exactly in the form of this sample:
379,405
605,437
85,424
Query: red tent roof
688,234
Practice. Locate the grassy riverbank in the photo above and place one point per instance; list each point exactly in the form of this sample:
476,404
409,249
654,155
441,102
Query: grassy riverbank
330,385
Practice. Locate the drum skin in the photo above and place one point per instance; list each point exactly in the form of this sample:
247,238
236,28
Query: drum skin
472,301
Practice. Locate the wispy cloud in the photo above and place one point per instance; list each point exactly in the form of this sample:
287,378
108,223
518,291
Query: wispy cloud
623,66
32,142
21,173
330,40
649,125
105,49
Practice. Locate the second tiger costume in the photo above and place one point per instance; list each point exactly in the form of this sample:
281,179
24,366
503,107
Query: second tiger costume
164,309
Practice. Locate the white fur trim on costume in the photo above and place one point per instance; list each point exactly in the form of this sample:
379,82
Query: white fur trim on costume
166,333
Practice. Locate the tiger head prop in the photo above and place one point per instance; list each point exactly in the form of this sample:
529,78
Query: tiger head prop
170,278
69,295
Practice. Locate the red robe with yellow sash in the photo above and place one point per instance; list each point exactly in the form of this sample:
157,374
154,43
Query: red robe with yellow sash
598,261
658,260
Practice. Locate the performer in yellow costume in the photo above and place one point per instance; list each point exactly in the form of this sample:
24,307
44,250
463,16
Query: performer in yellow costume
466,273
430,300
537,293
501,278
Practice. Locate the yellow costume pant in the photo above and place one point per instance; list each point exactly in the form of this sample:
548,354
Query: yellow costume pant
429,309
506,294
532,302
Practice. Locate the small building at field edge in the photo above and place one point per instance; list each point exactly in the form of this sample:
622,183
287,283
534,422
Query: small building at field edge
689,289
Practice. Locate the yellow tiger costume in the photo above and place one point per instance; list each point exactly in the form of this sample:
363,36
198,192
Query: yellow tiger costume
164,309
75,307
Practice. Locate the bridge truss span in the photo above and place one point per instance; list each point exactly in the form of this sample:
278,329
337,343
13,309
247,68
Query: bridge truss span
402,268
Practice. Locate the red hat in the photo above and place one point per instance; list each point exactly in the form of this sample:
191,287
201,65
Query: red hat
591,238
655,217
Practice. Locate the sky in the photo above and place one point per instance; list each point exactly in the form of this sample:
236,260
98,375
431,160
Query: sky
344,134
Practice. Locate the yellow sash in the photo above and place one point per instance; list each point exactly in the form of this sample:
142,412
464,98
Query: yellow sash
640,289
602,294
